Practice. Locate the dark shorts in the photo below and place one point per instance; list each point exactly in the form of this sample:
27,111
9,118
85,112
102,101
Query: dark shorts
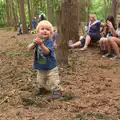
94,38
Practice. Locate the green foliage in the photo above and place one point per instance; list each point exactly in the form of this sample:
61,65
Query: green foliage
100,8
2,8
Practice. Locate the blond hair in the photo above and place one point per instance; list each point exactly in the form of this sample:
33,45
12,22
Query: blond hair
46,22
94,16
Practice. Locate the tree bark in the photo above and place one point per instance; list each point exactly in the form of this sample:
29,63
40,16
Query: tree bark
23,18
29,13
50,10
8,12
67,25
14,16
114,6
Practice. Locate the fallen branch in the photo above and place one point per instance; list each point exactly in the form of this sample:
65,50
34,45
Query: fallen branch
4,100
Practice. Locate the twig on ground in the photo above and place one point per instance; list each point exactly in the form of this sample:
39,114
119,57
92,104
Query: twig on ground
4,100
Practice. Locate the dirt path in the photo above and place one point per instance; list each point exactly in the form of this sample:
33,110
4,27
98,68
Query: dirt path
92,85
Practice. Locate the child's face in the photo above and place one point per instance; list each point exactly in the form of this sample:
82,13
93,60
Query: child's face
44,32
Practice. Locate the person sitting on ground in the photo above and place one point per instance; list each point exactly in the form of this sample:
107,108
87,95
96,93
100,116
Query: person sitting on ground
114,42
93,33
106,33
44,60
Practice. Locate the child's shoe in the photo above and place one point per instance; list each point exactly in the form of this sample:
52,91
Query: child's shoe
70,44
56,94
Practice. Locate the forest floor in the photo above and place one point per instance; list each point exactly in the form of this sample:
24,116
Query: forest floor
91,85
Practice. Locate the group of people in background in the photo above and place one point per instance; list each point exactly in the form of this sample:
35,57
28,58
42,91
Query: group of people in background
109,38
34,23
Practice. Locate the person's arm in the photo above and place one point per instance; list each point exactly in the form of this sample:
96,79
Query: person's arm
44,49
113,32
31,46
104,31
112,29
102,24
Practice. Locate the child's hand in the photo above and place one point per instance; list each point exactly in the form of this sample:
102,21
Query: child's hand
38,41
109,24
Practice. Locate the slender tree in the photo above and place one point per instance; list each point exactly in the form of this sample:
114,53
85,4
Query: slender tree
114,6
50,10
29,13
14,16
8,12
23,18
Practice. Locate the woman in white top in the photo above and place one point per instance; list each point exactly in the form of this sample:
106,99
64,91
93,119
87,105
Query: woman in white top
115,41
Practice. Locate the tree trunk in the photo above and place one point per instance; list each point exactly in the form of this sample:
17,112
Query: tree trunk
23,18
70,11
29,13
67,24
8,12
114,6
50,10
14,16
62,49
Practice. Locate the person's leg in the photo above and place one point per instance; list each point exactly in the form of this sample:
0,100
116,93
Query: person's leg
101,43
106,48
75,44
115,42
41,80
108,45
87,42
53,82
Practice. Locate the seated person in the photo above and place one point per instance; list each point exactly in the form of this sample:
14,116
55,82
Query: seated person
93,33
115,41
106,33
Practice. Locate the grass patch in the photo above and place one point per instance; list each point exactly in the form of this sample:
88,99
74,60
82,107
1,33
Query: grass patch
94,116
68,96
18,52
20,44
79,117
118,107
100,116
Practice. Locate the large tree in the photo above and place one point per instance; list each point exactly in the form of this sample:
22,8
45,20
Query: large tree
23,18
67,24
